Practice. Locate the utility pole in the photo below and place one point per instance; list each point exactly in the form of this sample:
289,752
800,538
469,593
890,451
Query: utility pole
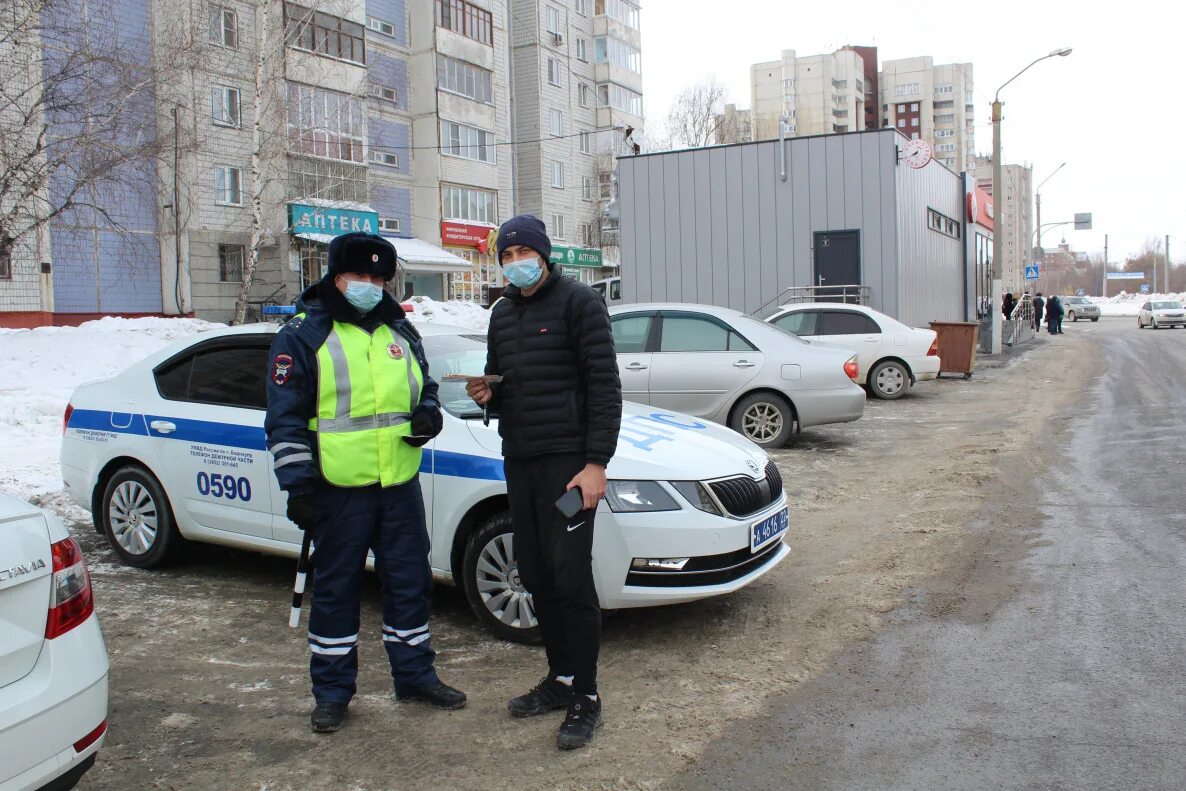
1104,274
1167,263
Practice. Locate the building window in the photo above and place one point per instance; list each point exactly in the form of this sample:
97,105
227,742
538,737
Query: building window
389,224
586,139
552,16
607,49
385,93
605,185
914,135
621,10
945,119
467,142
314,264
901,123
947,147
6,245
325,123
586,188
556,122
940,89
914,122
470,205
466,19
379,26
326,178
385,158
230,262
557,228
840,113
581,7
944,105
914,107
462,78
553,71
583,49
944,132
558,175
224,27
583,94
610,94
906,89
942,223
228,185
325,34
587,234
224,103
901,108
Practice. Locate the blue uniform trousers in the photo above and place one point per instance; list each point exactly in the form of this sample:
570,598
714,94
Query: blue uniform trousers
389,522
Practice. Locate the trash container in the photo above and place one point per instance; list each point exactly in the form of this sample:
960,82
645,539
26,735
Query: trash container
957,346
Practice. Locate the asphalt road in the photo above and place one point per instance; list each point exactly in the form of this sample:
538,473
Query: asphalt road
1056,666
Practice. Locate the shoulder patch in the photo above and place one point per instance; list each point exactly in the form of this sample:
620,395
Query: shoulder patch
295,322
282,369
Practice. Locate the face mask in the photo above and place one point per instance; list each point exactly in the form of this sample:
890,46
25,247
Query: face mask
523,274
362,295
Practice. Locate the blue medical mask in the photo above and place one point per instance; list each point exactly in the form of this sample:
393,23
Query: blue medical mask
525,273
362,295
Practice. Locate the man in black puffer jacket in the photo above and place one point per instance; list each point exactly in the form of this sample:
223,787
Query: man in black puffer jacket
560,408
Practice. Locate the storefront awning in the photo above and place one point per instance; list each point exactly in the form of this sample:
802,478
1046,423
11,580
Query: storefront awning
322,238
417,255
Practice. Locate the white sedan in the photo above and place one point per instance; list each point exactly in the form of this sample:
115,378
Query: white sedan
53,664
1161,313
173,450
891,356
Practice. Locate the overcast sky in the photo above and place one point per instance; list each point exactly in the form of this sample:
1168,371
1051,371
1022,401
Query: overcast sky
1113,109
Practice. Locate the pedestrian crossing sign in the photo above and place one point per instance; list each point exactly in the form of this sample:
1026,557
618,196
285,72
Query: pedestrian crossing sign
1031,272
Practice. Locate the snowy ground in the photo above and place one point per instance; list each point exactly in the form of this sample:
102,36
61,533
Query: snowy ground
1125,304
40,368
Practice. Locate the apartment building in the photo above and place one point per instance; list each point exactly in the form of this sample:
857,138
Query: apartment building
734,126
577,86
1014,218
815,95
934,103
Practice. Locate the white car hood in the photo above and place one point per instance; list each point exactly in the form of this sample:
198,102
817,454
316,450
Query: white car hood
657,444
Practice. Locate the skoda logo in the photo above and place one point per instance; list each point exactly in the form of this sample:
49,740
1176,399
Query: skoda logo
753,466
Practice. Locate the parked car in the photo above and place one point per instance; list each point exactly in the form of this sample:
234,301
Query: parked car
722,365
53,663
1080,308
891,357
1161,313
610,290
173,450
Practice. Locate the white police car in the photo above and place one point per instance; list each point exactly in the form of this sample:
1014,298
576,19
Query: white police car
173,450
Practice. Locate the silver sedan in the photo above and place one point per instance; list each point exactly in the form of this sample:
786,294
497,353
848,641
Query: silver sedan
727,367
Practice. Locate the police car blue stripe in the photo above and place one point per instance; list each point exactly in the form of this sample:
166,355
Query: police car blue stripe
463,465
209,432
100,420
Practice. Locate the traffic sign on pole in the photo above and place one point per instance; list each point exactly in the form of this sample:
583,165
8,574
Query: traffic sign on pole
1031,272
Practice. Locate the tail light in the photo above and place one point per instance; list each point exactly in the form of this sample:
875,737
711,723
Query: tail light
71,601
66,417
934,350
90,738
850,368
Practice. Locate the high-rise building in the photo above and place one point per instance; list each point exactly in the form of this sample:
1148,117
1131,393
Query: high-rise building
1014,218
734,126
872,85
922,100
813,95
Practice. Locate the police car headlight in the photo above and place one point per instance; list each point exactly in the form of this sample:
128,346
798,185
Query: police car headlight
697,494
634,496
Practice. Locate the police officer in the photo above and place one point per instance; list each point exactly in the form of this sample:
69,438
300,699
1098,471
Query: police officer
350,403
560,408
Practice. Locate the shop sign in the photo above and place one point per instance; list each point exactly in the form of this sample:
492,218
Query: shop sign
459,234
335,222
575,256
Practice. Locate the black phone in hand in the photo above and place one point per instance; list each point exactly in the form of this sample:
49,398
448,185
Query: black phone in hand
571,502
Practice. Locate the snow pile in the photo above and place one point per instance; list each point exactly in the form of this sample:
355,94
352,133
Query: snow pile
454,313
40,368
1125,304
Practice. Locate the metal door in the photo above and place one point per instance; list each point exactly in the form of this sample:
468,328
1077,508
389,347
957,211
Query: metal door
837,265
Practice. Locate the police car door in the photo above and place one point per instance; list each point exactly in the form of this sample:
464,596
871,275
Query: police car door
632,332
208,429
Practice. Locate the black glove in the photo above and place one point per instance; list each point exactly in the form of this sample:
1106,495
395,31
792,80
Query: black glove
426,424
302,509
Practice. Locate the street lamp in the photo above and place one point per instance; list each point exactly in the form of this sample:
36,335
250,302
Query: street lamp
998,239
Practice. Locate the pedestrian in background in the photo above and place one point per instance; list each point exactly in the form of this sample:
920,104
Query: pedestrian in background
350,403
1007,305
1039,310
560,409
1054,315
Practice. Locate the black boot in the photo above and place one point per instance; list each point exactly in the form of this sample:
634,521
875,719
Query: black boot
327,717
584,716
548,695
438,695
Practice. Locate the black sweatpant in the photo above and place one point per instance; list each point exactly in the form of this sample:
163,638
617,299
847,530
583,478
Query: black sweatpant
555,556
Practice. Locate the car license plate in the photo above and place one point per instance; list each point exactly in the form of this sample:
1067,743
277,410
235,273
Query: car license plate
770,528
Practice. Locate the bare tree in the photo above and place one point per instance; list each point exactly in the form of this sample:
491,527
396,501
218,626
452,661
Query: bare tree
78,117
695,114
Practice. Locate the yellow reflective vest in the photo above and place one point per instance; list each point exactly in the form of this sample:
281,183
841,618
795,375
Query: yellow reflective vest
367,387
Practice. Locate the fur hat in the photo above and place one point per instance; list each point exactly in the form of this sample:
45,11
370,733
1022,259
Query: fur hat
363,254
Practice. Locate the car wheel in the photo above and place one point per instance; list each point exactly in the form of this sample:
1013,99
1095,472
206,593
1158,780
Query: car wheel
1072,316
889,380
764,419
138,521
1095,318
492,583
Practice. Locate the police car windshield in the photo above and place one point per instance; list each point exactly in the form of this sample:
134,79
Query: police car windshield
456,354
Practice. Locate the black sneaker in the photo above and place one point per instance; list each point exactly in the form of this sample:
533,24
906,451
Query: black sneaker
438,695
327,717
548,695
584,716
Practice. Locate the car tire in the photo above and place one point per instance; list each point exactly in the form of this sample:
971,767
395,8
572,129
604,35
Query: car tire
765,419
1095,318
1072,317
138,520
889,380
490,576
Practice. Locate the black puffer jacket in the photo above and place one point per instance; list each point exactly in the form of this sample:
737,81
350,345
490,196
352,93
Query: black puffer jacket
560,391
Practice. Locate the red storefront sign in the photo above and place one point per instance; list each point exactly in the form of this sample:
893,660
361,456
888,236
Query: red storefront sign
980,209
462,235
